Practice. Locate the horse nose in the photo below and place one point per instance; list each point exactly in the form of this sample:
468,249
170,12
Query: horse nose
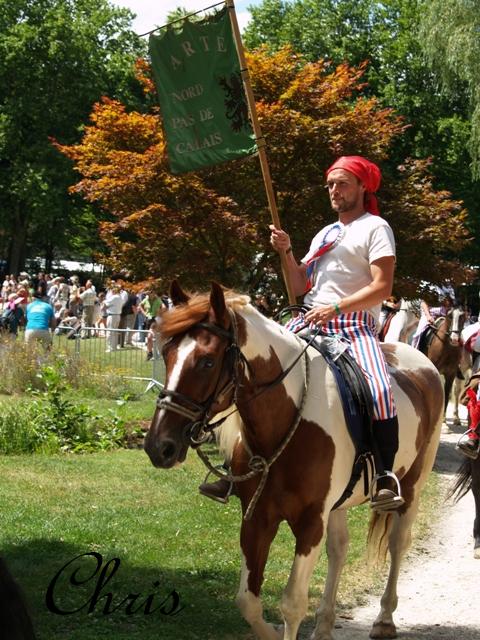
162,453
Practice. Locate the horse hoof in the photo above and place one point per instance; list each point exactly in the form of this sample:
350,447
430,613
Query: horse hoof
383,630
476,553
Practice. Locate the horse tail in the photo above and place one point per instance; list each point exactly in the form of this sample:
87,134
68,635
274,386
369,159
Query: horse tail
378,536
462,483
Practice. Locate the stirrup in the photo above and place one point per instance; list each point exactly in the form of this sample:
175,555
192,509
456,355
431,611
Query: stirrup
216,490
385,499
463,445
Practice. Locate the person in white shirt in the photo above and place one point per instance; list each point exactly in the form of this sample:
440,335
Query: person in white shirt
113,305
63,292
345,276
88,296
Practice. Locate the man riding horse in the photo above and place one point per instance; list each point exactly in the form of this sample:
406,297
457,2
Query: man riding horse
346,275
427,319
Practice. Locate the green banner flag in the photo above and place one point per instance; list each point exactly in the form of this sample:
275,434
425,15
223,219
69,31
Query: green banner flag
202,98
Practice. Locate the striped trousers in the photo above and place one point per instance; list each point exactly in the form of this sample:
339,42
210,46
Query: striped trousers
358,328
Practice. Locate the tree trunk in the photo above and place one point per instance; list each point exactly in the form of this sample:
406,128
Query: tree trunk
49,254
18,244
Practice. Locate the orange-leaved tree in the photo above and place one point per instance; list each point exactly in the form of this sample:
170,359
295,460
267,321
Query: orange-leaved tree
156,226
214,223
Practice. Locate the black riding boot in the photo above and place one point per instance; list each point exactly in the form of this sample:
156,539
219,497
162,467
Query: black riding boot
387,495
220,490
470,447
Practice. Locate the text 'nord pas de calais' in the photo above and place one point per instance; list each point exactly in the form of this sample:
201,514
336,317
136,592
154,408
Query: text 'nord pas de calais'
187,118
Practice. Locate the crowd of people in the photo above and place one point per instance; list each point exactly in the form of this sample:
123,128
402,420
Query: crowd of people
47,304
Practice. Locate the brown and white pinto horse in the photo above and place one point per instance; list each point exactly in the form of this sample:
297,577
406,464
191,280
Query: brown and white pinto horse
219,350
399,326
445,348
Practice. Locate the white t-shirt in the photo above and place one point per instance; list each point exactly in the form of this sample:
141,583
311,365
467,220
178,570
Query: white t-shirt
88,297
113,303
345,268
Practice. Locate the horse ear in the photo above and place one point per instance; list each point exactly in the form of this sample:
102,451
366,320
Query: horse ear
177,295
217,302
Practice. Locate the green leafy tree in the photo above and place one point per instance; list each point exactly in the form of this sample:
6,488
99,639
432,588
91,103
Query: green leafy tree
57,57
335,30
451,37
386,34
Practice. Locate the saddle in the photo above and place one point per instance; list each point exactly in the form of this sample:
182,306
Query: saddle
357,405
390,312
428,334
386,325
425,339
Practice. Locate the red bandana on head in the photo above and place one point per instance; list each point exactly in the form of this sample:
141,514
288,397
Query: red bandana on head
367,172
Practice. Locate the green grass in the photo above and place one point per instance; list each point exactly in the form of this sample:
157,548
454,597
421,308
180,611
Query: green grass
138,408
54,508
54,421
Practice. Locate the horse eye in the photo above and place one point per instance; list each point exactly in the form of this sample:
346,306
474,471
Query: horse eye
207,363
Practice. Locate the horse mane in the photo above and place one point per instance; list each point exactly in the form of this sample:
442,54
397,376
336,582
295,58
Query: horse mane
183,316
229,434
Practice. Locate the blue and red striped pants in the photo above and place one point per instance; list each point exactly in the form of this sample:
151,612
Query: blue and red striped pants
358,328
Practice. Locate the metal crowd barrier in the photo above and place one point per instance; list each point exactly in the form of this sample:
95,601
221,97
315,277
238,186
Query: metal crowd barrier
123,351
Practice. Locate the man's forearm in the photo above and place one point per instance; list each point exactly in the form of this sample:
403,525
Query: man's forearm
365,298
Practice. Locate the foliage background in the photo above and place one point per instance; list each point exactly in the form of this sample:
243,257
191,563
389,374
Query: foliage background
57,57
213,224
396,80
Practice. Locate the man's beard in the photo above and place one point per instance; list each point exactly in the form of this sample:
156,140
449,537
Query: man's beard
344,206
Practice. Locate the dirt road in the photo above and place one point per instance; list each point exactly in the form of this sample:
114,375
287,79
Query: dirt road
439,585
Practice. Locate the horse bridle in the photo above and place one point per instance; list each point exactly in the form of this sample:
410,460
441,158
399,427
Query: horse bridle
197,431
435,329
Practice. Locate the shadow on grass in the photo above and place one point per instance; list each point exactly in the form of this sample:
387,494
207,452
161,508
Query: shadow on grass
200,604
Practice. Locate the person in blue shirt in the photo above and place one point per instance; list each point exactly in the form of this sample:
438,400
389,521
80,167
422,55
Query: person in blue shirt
40,320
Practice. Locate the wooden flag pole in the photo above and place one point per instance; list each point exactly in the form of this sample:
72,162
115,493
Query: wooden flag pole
262,154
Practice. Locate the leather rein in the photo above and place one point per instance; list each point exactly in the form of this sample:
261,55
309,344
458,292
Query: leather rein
197,431
199,427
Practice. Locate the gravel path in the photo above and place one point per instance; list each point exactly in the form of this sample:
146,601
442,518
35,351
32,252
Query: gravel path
439,584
